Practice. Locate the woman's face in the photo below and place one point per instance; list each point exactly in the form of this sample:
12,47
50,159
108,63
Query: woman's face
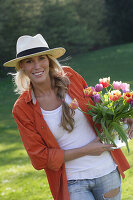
36,68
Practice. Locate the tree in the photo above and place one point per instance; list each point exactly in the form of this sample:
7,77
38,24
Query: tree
92,13
61,26
119,20
16,18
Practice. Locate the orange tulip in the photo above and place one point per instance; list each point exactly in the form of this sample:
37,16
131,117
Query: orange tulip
88,92
115,95
128,97
74,104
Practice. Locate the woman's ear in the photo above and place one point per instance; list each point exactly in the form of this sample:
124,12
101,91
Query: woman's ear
20,65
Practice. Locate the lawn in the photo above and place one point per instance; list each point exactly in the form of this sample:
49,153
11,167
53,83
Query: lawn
18,179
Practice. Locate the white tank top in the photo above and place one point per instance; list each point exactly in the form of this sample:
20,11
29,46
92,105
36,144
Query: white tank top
86,167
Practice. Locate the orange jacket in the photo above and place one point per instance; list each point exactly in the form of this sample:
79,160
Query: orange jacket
40,143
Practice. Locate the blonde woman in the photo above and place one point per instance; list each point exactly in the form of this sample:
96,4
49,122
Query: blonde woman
57,139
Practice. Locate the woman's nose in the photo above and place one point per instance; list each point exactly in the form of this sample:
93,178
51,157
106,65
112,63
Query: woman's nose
36,64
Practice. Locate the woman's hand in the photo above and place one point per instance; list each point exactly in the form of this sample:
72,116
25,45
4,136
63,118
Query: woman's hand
129,121
96,148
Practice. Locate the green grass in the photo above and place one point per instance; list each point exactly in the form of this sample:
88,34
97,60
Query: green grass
18,179
116,62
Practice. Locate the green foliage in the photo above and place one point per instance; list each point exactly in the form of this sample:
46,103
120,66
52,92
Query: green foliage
75,25
63,27
119,20
92,14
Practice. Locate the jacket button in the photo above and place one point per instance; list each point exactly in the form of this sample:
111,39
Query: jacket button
42,127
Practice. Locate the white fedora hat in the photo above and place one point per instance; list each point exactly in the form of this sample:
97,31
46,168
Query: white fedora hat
28,46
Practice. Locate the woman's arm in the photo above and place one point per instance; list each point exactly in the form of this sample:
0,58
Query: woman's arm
41,156
94,148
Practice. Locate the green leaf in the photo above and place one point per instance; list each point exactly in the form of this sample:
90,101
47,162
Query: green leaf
121,133
98,133
107,135
122,107
94,118
89,112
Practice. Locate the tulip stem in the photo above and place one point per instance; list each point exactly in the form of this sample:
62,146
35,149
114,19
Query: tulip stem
111,87
107,93
82,110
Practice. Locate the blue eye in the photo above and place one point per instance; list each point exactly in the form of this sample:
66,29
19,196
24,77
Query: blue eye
42,57
28,61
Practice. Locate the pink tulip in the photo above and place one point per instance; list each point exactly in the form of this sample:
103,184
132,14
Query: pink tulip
117,85
125,86
93,89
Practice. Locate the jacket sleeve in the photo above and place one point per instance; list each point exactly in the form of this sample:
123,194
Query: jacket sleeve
40,155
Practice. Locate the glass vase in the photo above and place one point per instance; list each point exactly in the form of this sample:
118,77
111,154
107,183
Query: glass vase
117,141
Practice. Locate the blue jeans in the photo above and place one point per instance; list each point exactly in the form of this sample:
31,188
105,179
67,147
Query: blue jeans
95,189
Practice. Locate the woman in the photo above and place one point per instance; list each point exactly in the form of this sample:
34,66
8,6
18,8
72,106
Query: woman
57,139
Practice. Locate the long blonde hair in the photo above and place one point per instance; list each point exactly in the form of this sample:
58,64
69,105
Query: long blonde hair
59,82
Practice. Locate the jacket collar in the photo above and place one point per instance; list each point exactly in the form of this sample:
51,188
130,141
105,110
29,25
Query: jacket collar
68,74
30,96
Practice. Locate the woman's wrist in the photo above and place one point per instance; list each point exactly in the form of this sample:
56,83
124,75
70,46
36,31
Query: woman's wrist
74,153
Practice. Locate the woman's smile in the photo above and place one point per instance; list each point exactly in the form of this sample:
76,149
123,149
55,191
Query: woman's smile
38,74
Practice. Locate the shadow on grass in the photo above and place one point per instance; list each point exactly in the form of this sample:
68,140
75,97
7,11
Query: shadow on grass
13,156
9,137
9,132
12,151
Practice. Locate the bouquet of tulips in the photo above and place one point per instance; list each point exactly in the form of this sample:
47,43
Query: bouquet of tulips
112,104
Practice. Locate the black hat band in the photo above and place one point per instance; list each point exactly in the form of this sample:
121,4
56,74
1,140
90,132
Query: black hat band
32,51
